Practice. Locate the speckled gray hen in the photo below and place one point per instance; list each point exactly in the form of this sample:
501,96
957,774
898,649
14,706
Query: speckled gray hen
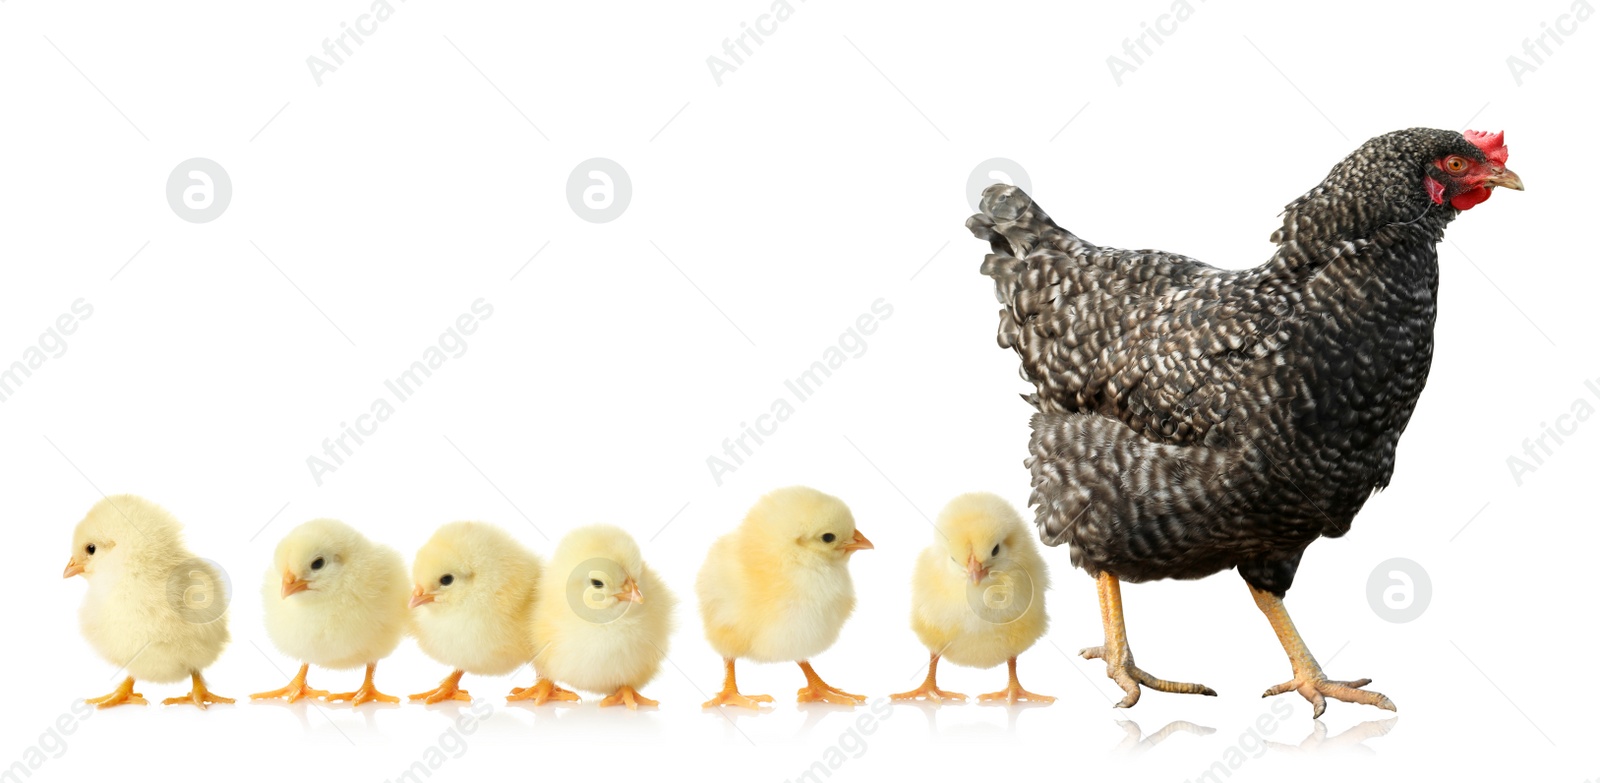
1192,419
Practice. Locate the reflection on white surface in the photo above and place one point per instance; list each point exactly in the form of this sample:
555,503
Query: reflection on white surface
1136,742
1350,740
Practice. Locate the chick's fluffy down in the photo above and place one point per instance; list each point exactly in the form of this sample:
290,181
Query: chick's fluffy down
477,623
355,610
582,634
773,590
152,606
985,624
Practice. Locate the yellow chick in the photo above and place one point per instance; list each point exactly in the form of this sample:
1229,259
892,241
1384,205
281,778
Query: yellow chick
153,608
336,599
473,592
603,617
778,589
978,594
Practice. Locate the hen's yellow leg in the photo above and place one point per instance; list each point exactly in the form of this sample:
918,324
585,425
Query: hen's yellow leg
1115,652
198,695
929,689
628,697
1014,692
730,696
367,692
542,691
1309,681
449,688
122,695
296,689
817,690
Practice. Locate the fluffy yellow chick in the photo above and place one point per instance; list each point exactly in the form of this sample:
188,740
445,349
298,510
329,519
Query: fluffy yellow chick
978,594
335,599
153,609
472,596
603,617
778,589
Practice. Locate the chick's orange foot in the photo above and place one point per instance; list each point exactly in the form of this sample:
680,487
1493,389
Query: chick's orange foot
122,695
366,693
542,691
818,691
730,696
628,697
1014,691
448,689
296,690
929,688
198,694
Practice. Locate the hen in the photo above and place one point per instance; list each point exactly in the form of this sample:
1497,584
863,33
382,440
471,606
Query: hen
1192,419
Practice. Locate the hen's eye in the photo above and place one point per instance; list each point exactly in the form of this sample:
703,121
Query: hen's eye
1455,164
89,549
827,538
316,565
446,579
995,552
596,583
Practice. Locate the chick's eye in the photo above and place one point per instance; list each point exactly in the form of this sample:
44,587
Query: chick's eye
828,538
89,549
995,552
1455,164
446,579
596,583
316,565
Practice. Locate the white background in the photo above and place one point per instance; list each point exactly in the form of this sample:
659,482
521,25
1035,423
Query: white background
827,172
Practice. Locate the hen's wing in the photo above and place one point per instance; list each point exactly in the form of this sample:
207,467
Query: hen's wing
1157,340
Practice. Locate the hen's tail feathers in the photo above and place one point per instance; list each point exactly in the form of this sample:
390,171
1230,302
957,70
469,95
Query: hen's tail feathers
1013,223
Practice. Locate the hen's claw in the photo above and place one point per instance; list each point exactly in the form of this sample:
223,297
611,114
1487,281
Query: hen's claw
1316,687
1130,677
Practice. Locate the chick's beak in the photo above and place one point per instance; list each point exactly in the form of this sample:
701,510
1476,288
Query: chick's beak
418,597
73,569
1505,178
293,584
975,569
630,592
857,542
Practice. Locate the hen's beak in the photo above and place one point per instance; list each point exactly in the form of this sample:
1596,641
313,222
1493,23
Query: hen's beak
73,569
857,542
630,592
1505,178
975,569
418,597
293,584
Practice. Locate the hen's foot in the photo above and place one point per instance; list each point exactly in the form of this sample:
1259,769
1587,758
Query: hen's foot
1122,671
1317,689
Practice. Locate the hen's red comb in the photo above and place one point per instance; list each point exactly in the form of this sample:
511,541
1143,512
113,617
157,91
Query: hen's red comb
1492,144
